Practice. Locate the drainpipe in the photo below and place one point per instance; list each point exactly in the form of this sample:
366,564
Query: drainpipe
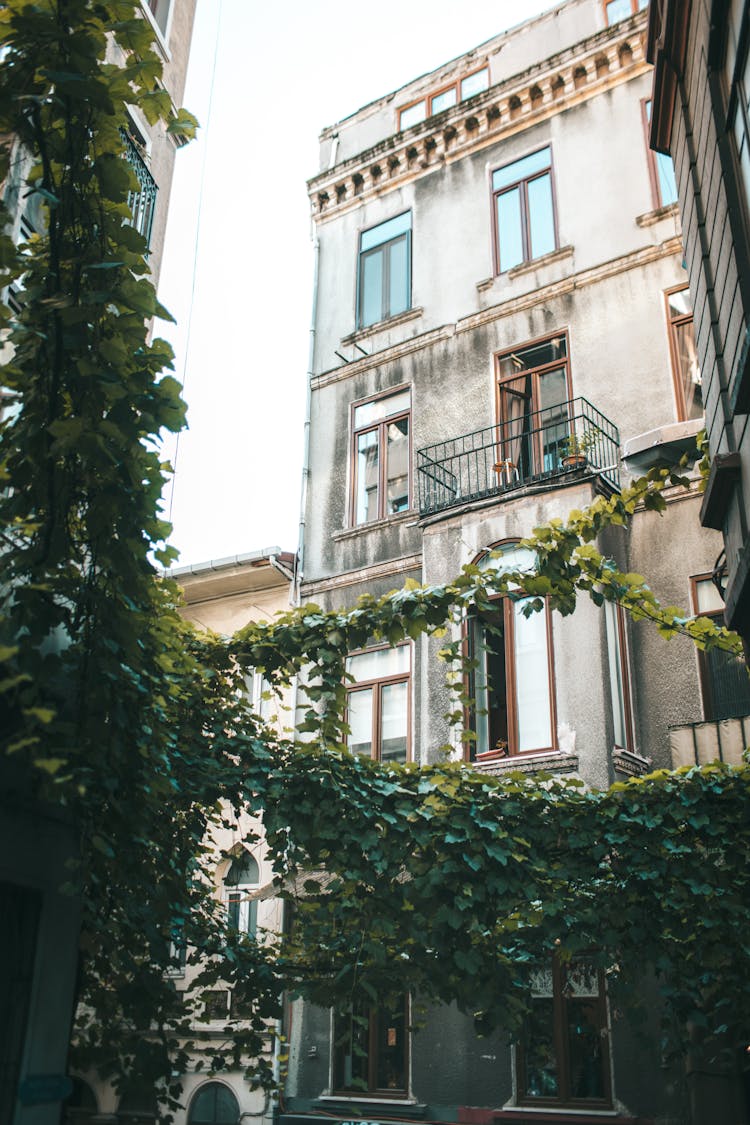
300,565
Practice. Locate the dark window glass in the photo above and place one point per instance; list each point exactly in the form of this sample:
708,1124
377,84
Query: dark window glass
370,1050
214,1104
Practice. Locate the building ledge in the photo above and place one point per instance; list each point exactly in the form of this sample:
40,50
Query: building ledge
374,525
649,218
558,255
382,326
665,443
630,763
549,761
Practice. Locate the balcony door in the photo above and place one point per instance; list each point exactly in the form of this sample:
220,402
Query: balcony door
533,391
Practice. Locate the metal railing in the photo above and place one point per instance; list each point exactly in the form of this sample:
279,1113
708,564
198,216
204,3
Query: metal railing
539,445
142,203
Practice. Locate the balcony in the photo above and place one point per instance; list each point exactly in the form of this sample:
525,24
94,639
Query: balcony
716,740
564,440
143,202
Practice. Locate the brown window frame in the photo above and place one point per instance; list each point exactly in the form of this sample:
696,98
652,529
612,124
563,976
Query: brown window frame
381,427
523,183
627,698
506,605
674,322
373,1090
634,9
535,373
377,686
564,1100
430,96
651,160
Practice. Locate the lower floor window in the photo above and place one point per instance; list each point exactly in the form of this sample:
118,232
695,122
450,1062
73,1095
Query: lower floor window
563,1058
370,1050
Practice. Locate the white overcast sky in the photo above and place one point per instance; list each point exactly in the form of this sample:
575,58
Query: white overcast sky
238,248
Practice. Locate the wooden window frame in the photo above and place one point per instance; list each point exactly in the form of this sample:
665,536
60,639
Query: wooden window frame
564,1100
536,373
430,96
522,183
381,427
621,621
704,673
651,160
506,605
377,686
373,1090
634,9
674,322
383,248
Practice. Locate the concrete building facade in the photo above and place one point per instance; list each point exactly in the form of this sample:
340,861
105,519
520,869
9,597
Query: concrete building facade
503,331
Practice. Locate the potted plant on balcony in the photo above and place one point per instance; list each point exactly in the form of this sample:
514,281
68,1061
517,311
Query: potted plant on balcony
575,448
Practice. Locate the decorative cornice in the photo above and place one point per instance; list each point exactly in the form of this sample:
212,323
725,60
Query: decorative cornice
630,763
362,575
558,83
558,761
634,260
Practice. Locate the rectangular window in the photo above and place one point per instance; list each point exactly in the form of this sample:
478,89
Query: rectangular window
660,167
724,678
534,423
685,368
384,287
510,684
142,203
444,98
378,703
563,1059
523,210
381,455
616,10
370,1050
619,676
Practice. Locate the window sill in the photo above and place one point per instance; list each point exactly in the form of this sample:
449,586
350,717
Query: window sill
382,326
363,528
648,219
524,268
367,1099
630,763
551,761
571,1116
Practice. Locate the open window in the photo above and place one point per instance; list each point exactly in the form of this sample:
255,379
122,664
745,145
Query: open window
370,1050
511,681
534,423
685,368
242,877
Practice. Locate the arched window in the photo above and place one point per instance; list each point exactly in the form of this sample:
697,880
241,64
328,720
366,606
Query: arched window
511,683
214,1104
243,875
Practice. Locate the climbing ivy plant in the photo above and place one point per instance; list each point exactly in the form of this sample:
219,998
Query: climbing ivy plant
435,880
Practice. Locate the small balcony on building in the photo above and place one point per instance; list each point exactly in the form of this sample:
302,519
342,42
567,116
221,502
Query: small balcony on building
142,203
564,440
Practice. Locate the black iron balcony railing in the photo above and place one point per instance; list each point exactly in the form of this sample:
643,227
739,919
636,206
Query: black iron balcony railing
533,447
143,202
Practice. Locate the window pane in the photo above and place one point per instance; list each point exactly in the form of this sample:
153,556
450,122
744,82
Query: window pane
359,717
541,216
618,10
233,910
379,663
398,277
548,351
688,371
394,702
616,684
708,598
368,476
510,241
371,289
391,1042
532,680
477,649
443,101
729,685
521,169
667,182
413,115
475,83
397,467
370,412
540,1063
352,1035
585,1056
384,232
680,304
512,557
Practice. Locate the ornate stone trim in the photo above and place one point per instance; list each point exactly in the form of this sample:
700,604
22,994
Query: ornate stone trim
605,60
630,763
558,761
